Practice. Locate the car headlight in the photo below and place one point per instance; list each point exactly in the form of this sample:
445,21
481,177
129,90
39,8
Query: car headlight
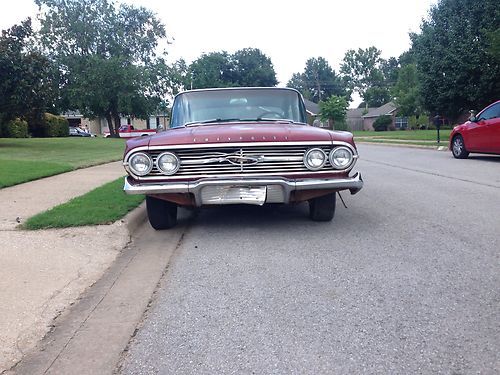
168,163
341,157
140,164
314,159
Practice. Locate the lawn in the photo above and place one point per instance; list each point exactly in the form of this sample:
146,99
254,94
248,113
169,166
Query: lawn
411,135
103,205
28,159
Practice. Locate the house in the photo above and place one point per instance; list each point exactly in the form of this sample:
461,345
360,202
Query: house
313,112
100,125
371,116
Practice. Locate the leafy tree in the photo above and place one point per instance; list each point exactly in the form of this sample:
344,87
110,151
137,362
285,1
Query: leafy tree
107,54
211,70
318,81
406,91
28,80
457,67
376,96
334,109
369,75
252,68
248,67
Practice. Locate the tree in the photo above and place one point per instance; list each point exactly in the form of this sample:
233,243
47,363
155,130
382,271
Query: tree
369,75
248,67
406,91
252,68
211,70
107,54
28,80
318,81
457,67
333,109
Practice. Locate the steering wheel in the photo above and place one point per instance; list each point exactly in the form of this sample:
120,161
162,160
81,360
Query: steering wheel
276,114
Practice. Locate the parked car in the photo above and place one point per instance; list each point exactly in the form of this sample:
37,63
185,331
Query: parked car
480,134
128,131
77,132
240,146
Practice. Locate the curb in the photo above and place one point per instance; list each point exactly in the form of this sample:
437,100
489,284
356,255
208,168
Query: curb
436,148
135,218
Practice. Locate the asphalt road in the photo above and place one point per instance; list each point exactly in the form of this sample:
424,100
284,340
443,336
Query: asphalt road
406,280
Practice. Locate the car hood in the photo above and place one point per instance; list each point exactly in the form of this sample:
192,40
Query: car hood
246,132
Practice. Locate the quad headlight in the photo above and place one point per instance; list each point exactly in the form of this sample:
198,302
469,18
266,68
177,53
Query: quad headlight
341,157
314,159
168,163
140,164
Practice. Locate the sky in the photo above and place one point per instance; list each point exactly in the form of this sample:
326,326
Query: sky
289,32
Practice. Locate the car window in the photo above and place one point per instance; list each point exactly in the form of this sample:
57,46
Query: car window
491,112
236,104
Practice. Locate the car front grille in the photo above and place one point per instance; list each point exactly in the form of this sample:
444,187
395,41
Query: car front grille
248,160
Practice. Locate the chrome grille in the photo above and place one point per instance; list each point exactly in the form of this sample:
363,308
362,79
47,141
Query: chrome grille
213,162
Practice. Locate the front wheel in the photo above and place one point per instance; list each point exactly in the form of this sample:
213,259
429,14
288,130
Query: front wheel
161,214
458,147
322,208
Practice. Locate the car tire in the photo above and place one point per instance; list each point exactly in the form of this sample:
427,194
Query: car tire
322,208
161,214
458,147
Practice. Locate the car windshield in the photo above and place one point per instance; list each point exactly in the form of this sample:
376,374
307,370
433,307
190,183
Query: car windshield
217,106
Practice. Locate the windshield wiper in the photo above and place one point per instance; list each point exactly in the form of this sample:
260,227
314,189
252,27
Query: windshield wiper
211,121
288,121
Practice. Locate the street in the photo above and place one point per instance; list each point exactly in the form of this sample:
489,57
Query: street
405,280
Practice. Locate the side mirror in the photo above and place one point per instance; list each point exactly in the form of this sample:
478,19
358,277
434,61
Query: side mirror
472,118
316,123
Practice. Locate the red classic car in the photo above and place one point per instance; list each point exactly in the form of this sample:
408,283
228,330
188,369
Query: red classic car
240,146
480,134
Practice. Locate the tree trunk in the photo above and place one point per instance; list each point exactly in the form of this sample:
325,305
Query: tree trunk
116,118
112,132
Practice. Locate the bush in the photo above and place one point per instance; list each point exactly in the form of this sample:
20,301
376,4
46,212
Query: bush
382,123
341,125
14,129
56,126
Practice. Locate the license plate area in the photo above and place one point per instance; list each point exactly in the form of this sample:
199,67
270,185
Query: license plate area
234,195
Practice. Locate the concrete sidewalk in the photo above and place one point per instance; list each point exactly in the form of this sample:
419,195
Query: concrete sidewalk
45,271
22,201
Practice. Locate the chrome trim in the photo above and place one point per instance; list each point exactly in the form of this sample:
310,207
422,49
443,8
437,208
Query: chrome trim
191,146
158,164
325,159
353,184
330,157
150,164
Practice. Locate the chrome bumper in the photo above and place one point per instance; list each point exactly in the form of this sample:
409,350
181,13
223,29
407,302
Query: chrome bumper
353,184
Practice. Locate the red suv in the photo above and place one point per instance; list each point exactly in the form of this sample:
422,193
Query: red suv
480,134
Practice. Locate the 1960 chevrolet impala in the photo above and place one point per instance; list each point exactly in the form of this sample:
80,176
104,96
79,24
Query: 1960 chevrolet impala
240,146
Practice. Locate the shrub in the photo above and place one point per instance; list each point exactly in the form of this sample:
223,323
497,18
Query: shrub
341,125
382,123
16,128
56,126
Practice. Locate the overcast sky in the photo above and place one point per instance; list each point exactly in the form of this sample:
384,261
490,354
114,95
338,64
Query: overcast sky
289,32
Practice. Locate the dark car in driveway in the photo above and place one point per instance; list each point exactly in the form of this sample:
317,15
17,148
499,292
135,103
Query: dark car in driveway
240,146
481,134
77,132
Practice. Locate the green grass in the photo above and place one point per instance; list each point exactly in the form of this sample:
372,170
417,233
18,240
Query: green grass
103,205
412,135
28,159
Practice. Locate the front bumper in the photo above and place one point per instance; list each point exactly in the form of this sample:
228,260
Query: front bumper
353,184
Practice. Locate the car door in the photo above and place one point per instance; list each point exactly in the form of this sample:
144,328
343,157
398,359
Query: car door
484,134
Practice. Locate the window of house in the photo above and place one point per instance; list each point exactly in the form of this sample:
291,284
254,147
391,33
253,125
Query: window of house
401,122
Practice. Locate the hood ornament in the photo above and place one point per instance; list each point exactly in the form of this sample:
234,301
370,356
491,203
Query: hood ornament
239,159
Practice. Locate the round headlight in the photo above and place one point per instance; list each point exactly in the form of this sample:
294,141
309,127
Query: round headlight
314,159
168,163
140,164
341,157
